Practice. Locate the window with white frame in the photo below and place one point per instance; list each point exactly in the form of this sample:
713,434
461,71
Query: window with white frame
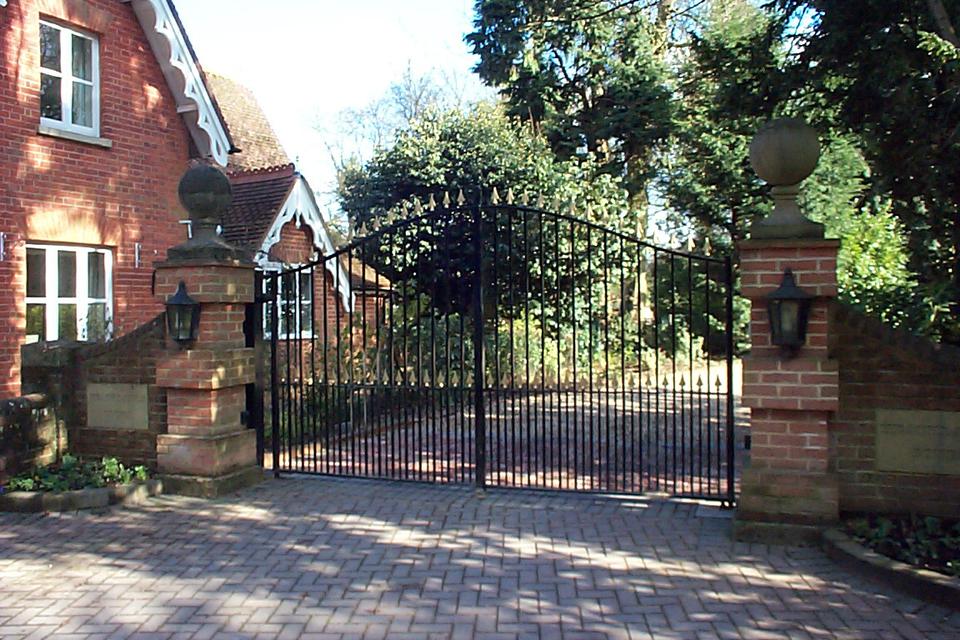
69,79
69,293
295,303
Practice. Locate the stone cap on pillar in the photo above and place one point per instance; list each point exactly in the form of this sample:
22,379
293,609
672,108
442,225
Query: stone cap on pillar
784,153
205,193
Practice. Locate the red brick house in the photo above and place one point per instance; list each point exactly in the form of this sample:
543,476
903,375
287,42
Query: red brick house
276,217
102,107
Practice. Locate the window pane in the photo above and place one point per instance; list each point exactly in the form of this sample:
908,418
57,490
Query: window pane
67,321
288,287
97,322
36,273
50,103
305,287
49,47
82,104
306,318
67,274
82,58
36,322
96,276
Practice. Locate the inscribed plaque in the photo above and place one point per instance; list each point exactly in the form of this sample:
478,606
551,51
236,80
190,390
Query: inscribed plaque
117,406
918,441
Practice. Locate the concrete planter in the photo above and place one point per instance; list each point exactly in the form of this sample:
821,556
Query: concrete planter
40,501
920,583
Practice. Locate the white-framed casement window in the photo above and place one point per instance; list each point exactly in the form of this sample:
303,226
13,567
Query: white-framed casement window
69,79
295,303
69,293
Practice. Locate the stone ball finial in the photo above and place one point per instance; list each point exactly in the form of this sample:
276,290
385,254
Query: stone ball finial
205,192
785,152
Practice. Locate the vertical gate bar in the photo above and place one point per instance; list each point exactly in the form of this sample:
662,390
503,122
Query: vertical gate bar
480,427
418,381
577,451
495,461
709,343
590,425
641,433
525,422
313,364
448,457
673,369
623,370
656,366
288,383
546,440
298,307
513,355
605,236
560,441
731,497
325,414
689,398
405,429
462,395
434,387
350,385
376,389
338,362
274,377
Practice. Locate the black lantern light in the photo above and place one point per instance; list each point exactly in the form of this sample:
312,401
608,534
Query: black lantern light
789,308
183,315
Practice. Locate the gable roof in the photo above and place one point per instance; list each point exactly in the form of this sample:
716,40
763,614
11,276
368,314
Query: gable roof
195,103
257,199
248,125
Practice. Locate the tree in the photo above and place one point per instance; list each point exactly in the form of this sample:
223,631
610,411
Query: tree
591,75
888,73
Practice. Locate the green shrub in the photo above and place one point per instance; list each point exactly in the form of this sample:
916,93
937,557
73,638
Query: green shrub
73,473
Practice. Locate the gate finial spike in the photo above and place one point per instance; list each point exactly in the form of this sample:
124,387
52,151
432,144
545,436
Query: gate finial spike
446,199
431,203
707,246
460,199
510,195
525,199
666,382
691,245
495,197
362,231
588,213
717,384
699,382
683,381
556,203
540,202
417,207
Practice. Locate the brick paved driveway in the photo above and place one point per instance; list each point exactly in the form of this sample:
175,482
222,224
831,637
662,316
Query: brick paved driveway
331,559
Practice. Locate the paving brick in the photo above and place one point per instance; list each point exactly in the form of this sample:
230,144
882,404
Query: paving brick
325,558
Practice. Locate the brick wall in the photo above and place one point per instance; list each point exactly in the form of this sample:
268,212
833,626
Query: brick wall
881,368
60,191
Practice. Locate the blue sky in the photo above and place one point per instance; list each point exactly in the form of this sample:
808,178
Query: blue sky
307,60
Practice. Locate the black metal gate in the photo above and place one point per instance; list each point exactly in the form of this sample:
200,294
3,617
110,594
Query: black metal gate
506,346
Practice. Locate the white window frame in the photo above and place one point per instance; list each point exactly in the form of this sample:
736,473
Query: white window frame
65,73
279,303
82,299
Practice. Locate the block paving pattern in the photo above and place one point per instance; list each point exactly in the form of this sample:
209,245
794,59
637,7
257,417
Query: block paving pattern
328,558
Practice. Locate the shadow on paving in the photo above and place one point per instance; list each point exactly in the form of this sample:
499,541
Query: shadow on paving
375,559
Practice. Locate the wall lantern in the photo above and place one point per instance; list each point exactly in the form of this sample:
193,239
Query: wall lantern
183,315
789,308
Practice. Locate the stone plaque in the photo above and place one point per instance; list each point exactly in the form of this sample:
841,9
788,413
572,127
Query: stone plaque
918,441
118,406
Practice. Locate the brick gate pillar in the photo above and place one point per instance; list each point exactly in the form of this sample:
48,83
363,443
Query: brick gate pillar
788,489
207,451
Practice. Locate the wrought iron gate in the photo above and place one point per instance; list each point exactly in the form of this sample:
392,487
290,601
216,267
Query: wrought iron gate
506,346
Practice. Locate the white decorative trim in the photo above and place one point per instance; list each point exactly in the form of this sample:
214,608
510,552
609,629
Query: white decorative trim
183,76
301,207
